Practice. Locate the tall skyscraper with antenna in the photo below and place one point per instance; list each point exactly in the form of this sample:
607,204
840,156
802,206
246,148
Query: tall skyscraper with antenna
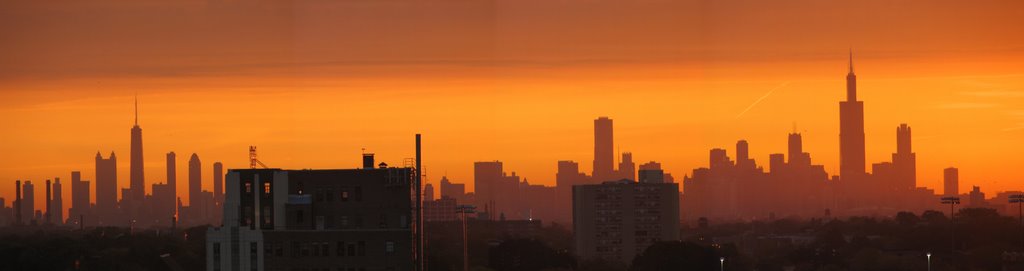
851,136
137,182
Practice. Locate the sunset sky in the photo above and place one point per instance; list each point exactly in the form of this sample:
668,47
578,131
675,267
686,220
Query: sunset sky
311,83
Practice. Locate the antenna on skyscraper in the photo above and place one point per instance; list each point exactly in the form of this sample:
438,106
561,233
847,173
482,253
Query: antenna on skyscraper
136,108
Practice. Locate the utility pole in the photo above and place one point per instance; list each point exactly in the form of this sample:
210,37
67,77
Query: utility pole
463,210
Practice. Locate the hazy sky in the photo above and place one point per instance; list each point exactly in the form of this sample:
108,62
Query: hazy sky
312,82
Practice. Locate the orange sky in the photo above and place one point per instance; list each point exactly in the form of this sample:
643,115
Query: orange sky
313,82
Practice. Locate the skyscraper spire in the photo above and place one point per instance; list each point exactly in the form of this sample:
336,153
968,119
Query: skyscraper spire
136,109
851,60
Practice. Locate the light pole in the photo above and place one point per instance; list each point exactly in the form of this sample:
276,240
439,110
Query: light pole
1018,199
952,201
463,210
929,254
721,261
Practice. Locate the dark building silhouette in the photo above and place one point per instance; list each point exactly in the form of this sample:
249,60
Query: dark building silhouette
18,203
48,203
604,154
627,169
137,180
275,219
80,199
196,199
567,176
218,193
851,142
616,220
28,202
455,191
904,160
218,183
106,189
951,182
55,212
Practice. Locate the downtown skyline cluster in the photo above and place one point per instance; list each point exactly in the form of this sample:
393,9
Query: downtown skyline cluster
830,192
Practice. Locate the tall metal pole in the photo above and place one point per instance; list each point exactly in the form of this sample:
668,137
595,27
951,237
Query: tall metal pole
929,261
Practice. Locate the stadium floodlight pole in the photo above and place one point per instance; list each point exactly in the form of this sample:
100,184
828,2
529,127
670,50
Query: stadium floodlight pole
1019,199
463,210
952,201
929,255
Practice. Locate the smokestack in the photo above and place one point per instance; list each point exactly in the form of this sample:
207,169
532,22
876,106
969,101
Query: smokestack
17,202
367,161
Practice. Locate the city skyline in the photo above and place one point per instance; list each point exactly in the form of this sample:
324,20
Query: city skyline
960,92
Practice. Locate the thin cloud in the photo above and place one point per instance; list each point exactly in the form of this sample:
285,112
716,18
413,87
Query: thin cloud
966,105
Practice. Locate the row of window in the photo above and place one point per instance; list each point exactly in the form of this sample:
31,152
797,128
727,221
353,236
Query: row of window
324,249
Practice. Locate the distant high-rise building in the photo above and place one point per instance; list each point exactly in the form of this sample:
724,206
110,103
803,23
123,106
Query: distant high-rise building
137,181
80,198
28,201
486,176
851,137
904,160
17,205
951,182
172,177
195,181
106,189
617,220
604,154
428,193
49,200
627,169
58,203
743,155
218,184
456,191
977,198
797,156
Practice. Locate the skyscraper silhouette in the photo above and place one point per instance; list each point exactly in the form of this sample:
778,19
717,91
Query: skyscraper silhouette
604,155
28,202
106,188
57,202
851,137
904,160
172,180
195,182
218,183
137,182
951,182
79,197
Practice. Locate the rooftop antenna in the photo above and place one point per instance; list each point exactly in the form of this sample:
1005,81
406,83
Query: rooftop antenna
136,108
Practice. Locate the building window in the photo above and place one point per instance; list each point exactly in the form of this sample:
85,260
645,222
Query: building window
298,217
266,188
344,221
325,249
358,193
341,249
330,194
216,256
248,187
351,249
253,251
319,196
344,194
389,248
